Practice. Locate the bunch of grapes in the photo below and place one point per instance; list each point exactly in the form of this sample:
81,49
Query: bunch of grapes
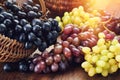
104,57
65,53
24,24
79,17
45,63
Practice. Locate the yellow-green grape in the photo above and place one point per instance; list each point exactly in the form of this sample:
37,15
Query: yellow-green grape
117,58
104,58
107,66
88,57
77,20
112,48
101,35
58,18
96,49
101,42
102,47
110,55
101,63
86,50
86,65
95,58
92,71
117,48
112,61
113,68
104,52
104,73
114,42
99,69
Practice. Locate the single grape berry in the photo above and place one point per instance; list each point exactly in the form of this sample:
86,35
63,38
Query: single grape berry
3,28
28,45
22,37
18,28
1,18
38,42
36,28
36,22
27,28
32,36
23,22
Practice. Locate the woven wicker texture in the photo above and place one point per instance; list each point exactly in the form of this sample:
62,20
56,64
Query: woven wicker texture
12,50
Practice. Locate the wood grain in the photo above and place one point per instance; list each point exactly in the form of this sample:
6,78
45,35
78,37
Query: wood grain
73,74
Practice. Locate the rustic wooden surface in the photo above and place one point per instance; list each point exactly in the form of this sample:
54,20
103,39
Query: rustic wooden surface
73,74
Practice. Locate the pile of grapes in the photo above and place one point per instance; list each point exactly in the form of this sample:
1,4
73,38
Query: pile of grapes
87,38
23,23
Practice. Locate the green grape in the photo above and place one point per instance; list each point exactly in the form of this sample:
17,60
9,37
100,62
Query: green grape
112,48
104,52
92,71
101,35
101,63
107,66
110,55
112,61
104,58
101,42
114,42
86,65
86,50
113,68
88,57
99,69
104,73
117,58
94,58
96,49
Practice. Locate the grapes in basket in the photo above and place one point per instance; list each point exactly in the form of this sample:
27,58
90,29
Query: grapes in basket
26,24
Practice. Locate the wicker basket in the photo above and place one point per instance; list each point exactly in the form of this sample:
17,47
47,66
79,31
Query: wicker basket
58,7
12,50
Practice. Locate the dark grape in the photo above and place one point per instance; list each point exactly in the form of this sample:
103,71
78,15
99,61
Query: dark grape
32,37
28,45
36,22
22,37
1,18
27,28
36,28
23,22
7,67
22,14
18,28
7,22
38,42
3,28
46,27
32,14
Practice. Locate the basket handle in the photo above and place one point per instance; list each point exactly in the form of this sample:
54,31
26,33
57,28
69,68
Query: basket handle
43,6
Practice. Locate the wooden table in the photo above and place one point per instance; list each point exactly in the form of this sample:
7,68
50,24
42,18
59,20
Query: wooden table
73,74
